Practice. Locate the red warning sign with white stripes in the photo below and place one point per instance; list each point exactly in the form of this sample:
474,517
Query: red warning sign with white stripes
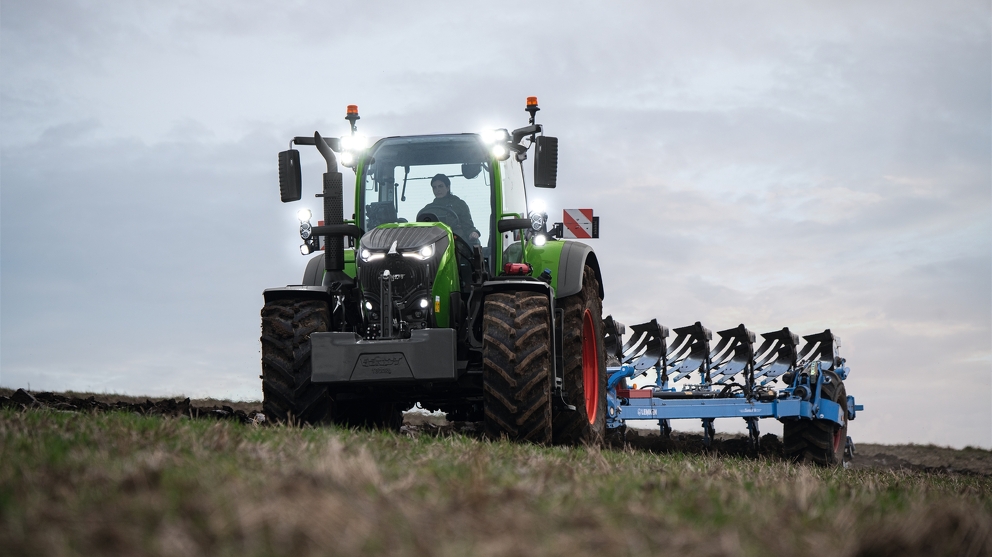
580,223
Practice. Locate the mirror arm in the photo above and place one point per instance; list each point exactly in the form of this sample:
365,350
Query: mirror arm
520,133
333,142
507,225
335,230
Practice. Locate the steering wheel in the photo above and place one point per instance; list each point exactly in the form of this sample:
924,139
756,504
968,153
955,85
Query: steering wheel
435,213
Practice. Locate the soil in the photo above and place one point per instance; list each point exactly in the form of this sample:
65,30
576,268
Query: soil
924,458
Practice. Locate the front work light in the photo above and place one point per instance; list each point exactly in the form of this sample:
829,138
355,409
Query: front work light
355,142
540,240
348,159
492,136
304,215
424,303
537,220
500,152
305,249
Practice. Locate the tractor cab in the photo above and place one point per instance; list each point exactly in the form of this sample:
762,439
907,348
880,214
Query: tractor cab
455,180
446,179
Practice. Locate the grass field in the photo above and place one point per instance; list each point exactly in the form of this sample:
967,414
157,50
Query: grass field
113,483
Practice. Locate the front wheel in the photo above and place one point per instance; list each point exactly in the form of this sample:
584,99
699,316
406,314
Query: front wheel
584,357
289,396
516,376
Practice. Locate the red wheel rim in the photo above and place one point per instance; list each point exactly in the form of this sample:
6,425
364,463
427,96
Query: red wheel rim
590,366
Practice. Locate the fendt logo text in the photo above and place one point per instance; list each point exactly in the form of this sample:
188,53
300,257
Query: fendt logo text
381,361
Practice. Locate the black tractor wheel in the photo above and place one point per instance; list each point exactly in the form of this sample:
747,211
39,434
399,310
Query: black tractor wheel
517,367
287,392
819,441
584,357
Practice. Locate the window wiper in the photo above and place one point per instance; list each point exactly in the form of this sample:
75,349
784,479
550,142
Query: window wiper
406,172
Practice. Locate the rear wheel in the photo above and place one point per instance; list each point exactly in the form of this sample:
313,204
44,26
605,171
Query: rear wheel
517,369
584,357
819,441
288,394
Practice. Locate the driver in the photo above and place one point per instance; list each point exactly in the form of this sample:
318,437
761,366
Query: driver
444,198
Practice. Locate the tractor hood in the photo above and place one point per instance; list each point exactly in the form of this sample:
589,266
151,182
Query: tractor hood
406,238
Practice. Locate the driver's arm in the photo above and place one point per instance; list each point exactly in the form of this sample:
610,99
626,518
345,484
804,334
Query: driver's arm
465,218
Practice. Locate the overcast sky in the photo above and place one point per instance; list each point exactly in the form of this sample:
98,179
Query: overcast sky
815,166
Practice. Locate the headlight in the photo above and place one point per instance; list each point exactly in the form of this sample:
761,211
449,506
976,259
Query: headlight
304,215
305,249
348,159
367,255
423,253
540,240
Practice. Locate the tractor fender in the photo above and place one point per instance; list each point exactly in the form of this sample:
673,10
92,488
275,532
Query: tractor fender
572,265
314,273
478,298
512,285
300,292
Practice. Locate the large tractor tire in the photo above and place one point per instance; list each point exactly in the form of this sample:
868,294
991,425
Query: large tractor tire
819,441
584,356
288,394
516,333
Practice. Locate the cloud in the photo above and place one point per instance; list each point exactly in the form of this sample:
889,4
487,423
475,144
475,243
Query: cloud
776,165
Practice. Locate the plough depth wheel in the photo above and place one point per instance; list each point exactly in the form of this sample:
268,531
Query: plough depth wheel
819,441
584,357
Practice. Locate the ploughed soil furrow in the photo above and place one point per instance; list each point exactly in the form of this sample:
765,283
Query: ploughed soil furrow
70,402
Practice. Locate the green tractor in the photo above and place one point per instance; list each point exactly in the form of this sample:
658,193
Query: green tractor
445,288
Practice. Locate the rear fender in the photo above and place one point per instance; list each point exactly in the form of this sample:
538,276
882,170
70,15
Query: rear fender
571,268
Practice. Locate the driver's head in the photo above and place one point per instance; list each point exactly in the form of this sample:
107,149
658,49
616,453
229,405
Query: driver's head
441,185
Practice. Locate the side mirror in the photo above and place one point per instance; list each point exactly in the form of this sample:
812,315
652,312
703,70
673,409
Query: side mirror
546,162
289,176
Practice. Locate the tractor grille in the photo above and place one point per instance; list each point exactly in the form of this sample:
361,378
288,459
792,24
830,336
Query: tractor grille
412,277
413,283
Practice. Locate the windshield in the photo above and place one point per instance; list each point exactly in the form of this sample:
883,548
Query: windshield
430,178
